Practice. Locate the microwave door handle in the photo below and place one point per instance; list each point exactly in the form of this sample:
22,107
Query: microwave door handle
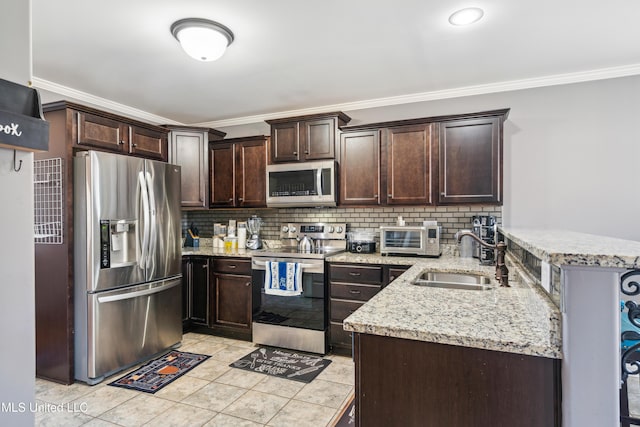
319,181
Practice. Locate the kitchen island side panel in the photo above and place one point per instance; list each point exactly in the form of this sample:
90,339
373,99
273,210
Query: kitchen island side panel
414,383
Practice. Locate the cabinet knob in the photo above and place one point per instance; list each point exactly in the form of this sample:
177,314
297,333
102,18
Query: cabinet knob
231,200
306,151
240,199
295,153
248,284
392,278
205,266
390,196
121,142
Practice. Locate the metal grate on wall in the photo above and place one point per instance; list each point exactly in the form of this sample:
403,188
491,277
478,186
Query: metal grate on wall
48,201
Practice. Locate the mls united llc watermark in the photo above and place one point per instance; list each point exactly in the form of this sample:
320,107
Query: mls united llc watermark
21,407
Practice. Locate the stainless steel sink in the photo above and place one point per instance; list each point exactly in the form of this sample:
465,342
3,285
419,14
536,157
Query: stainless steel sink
467,281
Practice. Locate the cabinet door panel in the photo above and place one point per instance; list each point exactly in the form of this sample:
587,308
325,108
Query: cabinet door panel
200,291
251,160
318,139
148,143
232,300
189,150
470,161
285,142
100,132
409,165
222,173
360,168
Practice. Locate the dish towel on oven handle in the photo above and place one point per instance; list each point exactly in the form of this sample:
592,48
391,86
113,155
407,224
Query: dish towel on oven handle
283,278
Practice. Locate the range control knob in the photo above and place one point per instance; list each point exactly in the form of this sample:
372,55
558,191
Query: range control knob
331,229
292,229
285,228
338,229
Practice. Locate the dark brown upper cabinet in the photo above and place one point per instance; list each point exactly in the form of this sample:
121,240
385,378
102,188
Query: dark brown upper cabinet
105,131
454,159
409,164
237,171
304,138
251,162
188,147
470,161
360,168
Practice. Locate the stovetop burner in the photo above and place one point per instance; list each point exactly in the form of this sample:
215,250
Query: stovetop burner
329,239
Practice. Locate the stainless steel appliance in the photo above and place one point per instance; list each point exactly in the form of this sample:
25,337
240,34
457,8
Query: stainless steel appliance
127,262
297,322
302,184
421,240
484,226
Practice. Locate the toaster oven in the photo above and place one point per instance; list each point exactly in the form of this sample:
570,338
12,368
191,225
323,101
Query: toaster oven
410,240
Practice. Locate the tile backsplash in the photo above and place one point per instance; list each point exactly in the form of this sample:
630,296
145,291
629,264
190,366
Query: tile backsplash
451,218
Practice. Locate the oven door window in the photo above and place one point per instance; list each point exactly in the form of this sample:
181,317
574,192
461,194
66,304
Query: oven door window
307,311
403,239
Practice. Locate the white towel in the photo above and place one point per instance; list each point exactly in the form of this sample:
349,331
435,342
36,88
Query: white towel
283,278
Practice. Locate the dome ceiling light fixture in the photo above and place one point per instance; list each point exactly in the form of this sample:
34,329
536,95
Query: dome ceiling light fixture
202,39
466,16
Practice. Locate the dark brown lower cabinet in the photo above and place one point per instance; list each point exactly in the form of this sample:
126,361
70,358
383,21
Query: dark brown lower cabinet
231,301
413,383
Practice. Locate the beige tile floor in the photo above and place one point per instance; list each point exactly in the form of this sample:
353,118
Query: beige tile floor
212,395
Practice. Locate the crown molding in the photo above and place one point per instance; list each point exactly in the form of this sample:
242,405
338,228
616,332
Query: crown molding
99,102
512,85
506,86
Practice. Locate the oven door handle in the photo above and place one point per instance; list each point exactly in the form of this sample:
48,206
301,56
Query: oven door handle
302,265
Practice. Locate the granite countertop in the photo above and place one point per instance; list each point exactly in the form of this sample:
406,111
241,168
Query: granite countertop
560,247
519,319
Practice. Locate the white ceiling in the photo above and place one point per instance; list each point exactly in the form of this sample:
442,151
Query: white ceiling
293,56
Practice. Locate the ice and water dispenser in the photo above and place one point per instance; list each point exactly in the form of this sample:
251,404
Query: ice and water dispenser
118,243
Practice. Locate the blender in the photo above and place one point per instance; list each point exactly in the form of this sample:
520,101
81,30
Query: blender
253,227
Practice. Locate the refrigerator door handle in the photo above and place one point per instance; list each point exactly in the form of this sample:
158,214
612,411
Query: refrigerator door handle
136,294
153,234
144,196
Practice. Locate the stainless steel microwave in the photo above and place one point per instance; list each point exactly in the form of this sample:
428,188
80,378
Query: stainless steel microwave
410,240
302,184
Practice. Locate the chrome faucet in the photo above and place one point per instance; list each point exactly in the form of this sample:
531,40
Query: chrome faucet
502,273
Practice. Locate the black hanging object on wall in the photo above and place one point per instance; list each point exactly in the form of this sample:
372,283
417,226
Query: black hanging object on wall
22,125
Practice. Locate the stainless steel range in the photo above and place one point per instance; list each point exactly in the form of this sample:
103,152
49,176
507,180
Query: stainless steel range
295,317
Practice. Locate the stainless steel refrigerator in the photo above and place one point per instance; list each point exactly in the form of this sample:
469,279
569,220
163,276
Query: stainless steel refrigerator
127,257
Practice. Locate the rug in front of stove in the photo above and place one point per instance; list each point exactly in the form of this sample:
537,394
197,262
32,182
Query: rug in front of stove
281,363
160,372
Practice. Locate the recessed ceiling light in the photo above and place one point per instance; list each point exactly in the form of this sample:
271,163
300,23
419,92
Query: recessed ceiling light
466,16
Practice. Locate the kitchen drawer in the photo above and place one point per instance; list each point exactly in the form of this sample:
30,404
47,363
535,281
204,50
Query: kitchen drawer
341,309
354,291
232,266
356,274
339,336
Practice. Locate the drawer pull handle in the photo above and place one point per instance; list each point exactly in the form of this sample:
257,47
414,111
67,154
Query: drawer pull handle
232,266
353,273
354,291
